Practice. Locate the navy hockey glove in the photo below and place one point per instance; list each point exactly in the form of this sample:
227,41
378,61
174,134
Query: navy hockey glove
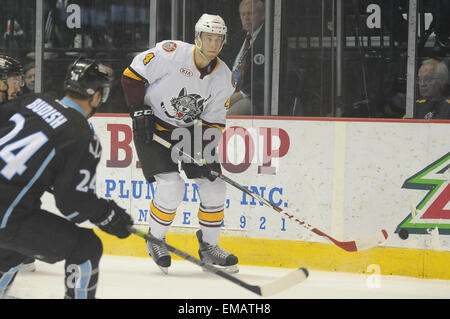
143,123
115,221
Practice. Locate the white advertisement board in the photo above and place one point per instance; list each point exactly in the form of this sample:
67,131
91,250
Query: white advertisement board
346,178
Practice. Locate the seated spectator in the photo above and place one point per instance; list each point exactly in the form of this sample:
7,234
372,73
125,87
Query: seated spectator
29,71
433,103
244,55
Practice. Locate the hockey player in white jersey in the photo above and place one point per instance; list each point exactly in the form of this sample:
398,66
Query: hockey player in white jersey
180,85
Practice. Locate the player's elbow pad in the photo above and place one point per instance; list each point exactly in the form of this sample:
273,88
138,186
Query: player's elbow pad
134,91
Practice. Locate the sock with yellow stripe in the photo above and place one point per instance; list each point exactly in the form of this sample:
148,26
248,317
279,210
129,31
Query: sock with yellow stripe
210,220
160,220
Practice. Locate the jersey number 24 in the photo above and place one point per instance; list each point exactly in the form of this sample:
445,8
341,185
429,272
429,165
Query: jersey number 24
16,154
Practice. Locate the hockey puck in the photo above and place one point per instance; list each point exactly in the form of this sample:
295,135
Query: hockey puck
403,234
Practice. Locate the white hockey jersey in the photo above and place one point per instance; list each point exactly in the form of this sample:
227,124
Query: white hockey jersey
175,92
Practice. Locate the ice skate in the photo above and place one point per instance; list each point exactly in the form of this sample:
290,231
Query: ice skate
160,255
215,255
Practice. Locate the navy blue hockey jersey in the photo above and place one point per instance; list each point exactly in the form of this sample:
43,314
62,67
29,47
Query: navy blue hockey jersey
45,145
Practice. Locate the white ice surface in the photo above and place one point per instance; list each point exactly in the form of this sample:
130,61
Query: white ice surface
139,278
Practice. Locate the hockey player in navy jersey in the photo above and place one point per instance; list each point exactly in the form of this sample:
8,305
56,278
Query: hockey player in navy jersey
48,145
184,86
11,83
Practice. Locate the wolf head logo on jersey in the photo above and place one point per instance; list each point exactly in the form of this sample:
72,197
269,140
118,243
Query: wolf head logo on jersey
187,107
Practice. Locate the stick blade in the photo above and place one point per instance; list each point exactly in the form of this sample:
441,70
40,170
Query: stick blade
373,241
291,279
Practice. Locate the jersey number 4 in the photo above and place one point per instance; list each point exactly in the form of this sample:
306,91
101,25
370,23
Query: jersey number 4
16,154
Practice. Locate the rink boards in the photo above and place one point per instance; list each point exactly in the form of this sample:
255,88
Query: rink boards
346,177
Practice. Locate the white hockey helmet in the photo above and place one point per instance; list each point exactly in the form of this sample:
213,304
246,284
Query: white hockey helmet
212,24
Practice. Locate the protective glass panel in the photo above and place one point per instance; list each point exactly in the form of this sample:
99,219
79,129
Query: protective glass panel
111,32
349,58
17,34
335,58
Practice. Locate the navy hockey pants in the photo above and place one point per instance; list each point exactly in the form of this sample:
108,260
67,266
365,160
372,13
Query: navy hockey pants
51,238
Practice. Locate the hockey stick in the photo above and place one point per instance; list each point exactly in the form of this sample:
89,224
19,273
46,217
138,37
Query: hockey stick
280,284
350,246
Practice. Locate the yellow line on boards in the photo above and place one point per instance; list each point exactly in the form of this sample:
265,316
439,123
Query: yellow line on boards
292,254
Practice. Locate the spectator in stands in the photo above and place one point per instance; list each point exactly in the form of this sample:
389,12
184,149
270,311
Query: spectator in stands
434,101
244,54
29,71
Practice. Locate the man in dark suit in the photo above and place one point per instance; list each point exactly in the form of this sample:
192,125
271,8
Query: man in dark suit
244,54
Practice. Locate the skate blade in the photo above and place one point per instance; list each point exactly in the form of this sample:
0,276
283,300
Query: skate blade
228,269
165,270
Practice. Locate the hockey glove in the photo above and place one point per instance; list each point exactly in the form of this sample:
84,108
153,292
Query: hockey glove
207,165
115,221
143,123
209,171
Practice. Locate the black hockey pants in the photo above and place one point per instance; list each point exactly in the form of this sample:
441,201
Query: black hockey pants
51,238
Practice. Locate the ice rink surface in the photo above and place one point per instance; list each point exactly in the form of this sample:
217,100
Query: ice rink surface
139,278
